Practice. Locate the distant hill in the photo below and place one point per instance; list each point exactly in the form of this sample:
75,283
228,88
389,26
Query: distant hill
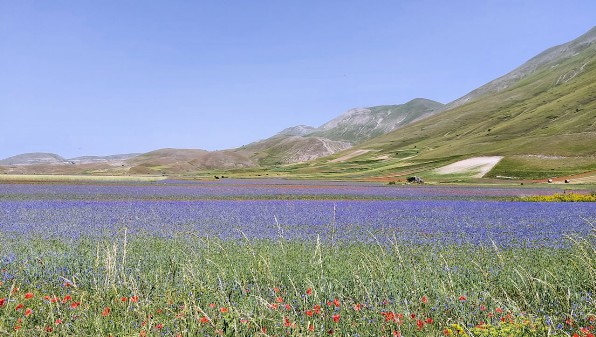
37,158
541,117
112,159
285,149
170,161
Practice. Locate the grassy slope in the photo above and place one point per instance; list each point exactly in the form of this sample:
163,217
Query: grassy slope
534,119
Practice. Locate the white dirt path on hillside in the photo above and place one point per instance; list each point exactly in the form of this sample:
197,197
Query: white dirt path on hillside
477,165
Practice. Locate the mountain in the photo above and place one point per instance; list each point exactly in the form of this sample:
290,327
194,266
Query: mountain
292,145
540,117
304,143
358,125
299,130
548,59
536,122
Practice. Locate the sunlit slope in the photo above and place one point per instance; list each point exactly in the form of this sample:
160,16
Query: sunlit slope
536,116
543,121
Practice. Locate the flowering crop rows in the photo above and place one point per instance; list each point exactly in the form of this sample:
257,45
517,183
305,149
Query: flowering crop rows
230,188
434,222
264,258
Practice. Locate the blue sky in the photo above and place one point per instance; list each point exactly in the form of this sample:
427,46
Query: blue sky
108,77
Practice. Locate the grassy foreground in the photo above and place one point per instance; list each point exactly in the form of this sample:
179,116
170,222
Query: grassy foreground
193,286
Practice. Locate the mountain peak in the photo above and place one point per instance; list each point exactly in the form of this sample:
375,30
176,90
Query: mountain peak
360,124
298,130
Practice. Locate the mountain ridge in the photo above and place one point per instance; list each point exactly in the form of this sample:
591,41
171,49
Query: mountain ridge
545,108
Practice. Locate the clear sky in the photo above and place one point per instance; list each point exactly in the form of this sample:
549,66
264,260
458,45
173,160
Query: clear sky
109,77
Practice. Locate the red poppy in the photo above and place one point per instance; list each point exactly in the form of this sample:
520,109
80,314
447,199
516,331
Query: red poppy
317,309
420,324
424,299
223,310
19,306
309,313
204,319
429,320
159,326
48,329
279,299
66,299
105,312
58,321
74,305
336,302
28,296
391,316
2,301
309,291
335,318
462,298
28,312
124,299
134,299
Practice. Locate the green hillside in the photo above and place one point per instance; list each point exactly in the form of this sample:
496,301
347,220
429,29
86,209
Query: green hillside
543,122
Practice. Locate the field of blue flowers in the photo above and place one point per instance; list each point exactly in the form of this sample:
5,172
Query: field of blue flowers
298,258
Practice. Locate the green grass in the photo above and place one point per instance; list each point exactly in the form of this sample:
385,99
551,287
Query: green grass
193,286
541,167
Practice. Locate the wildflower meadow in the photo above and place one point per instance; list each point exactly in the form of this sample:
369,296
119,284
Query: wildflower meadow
286,258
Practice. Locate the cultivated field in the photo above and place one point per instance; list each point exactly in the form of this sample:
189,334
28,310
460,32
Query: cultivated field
287,258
